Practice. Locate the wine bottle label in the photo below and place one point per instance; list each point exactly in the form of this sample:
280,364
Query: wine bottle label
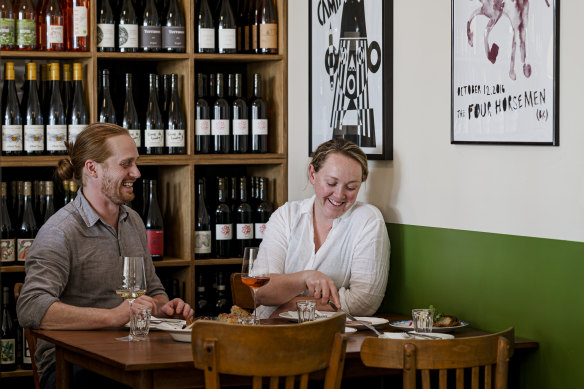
203,127
105,35
25,32
203,243
128,36
240,127
79,21
175,138
54,35
269,36
244,230
173,37
8,351
200,288
154,138
150,37
23,246
254,37
227,38
12,137
8,253
135,134
74,130
223,231
155,240
260,228
219,127
56,137
7,31
207,38
34,137
259,127
25,350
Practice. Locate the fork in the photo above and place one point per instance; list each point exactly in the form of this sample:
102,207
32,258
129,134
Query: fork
351,317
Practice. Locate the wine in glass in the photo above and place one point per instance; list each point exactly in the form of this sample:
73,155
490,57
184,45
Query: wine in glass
255,274
132,285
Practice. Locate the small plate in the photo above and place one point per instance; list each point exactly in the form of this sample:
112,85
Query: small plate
399,335
164,324
408,326
180,335
375,321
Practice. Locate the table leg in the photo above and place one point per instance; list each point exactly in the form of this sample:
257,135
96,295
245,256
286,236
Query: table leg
62,369
143,379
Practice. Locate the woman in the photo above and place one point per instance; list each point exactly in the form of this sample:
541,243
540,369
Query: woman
329,246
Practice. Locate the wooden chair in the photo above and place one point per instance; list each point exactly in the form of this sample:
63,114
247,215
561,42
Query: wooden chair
30,339
425,356
240,293
273,351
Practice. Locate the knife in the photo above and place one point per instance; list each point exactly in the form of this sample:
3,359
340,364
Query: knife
351,317
423,335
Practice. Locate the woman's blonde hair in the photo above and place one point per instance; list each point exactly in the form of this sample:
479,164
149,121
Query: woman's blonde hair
343,147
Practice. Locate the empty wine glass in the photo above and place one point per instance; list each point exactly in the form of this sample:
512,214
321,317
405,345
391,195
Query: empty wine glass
132,285
255,274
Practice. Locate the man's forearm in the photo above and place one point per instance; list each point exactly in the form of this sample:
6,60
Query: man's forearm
61,316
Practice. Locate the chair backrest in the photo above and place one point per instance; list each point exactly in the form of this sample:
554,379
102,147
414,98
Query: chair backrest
274,351
30,339
240,293
485,357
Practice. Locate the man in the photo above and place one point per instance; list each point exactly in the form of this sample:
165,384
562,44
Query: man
74,266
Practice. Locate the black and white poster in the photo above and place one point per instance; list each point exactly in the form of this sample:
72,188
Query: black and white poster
351,74
504,72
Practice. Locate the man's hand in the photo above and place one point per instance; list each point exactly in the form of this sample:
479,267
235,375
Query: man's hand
177,307
322,287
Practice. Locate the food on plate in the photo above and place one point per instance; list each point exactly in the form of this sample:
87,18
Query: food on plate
442,320
235,315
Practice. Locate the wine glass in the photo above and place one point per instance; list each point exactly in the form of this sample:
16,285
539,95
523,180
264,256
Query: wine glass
132,285
255,274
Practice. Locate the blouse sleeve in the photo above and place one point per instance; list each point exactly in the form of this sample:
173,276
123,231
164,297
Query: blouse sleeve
274,245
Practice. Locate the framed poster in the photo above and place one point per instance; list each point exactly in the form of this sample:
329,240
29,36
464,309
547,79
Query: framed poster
505,72
350,74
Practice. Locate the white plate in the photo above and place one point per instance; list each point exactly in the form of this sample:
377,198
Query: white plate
164,324
398,335
408,326
375,321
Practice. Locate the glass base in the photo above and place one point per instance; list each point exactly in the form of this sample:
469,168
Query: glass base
129,338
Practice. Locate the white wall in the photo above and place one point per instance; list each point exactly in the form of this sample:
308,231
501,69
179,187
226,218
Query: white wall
520,190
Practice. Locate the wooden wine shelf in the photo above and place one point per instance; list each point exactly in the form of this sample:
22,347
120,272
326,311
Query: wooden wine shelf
239,159
172,262
238,57
143,56
218,261
36,54
16,373
12,269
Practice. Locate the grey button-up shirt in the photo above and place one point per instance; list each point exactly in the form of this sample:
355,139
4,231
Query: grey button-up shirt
75,259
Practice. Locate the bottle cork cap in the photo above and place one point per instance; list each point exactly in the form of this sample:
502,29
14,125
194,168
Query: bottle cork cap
66,72
54,71
9,66
27,188
77,71
3,189
49,188
31,71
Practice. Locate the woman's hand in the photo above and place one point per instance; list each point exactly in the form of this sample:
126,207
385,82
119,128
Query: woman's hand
321,287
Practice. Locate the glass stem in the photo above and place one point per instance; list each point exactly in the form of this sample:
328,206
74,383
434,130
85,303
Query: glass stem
255,316
131,323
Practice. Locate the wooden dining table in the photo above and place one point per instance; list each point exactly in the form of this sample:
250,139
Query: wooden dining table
161,362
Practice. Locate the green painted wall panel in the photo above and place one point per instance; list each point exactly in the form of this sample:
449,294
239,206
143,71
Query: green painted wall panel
495,281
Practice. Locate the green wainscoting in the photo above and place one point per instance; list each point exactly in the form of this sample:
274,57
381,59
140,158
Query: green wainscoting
495,281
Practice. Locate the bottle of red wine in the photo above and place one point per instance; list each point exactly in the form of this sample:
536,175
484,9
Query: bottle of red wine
27,227
151,29
77,115
8,22
242,27
220,122
226,29
202,117
26,21
263,211
176,122
223,223
221,303
34,130
202,224
154,225
173,31
77,26
259,118
233,195
11,116
128,28
7,334
55,118
205,29
201,298
51,26
254,26
66,86
8,242
240,121
106,28
268,28
130,120
107,112
154,132
243,221
49,201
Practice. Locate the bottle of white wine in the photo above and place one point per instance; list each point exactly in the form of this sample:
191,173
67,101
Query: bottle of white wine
11,116
77,114
55,118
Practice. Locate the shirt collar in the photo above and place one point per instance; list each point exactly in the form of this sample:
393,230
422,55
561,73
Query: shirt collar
88,214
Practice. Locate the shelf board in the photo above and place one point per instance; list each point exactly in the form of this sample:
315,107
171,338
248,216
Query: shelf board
172,262
45,54
143,56
16,373
218,261
238,57
239,159
12,269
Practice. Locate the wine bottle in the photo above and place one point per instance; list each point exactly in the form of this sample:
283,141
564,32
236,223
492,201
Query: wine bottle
205,29
66,87
243,221
38,191
202,302
105,28
268,28
220,121
77,115
7,25
233,197
164,95
34,130
50,27
7,242
259,118
66,194
240,121
154,132
26,21
230,89
107,112
128,28
150,30
242,27
202,225
11,116
176,122
7,335
20,201
173,31
55,119
263,211
72,190
145,197
254,26
202,117
154,225
226,29
221,303
130,120
45,88
26,357
27,228
77,25
49,201
223,226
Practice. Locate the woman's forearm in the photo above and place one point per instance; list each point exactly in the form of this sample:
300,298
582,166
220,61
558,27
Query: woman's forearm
281,288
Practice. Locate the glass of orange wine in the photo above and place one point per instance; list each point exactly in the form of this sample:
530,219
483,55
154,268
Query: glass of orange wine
132,285
255,274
